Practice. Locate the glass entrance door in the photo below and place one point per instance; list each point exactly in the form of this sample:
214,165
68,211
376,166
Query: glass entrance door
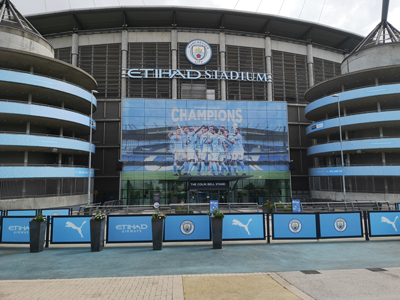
204,196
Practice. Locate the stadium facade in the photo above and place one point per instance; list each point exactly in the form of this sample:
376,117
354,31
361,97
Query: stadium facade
145,62
44,110
356,153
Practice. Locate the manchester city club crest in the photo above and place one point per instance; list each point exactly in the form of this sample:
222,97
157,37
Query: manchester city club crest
340,224
187,227
198,52
295,226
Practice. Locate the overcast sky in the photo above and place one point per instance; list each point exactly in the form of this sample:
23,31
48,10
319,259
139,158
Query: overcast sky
358,16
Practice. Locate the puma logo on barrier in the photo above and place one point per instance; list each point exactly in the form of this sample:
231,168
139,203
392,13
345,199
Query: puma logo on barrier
386,220
73,226
238,223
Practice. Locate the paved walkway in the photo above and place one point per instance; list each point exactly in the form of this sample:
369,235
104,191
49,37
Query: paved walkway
305,270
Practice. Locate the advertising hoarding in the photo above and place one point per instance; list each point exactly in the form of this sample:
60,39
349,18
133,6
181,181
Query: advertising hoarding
336,225
243,227
164,138
15,230
384,223
48,213
294,226
181,228
21,213
70,230
129,229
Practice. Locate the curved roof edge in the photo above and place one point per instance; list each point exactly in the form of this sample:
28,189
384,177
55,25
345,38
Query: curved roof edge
189,17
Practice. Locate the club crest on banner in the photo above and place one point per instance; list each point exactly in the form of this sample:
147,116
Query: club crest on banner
198,52
340,224
187,227
295,226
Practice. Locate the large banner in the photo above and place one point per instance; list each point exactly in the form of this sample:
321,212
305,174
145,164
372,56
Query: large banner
184,228
294,226
341,224
162,139
22,213
129,229
243,227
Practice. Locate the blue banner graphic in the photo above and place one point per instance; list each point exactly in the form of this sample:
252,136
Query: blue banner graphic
384,223
15,229
21,213
296,206
214,204
336,225
70,229
294,226
187,227
243,227
129,229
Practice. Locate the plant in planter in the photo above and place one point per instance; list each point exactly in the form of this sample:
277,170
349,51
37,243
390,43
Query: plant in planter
217,218
174,198
87,210
157,226
245,197
37,229
268,207
97,225
182,209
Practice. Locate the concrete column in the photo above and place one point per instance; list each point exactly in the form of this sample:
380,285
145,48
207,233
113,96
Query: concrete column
222,51
63,105
61,131
74,50
30,99
378,107
376,81
72,159
344,111
327,138
310,65
31,69
25,158
28,127
348,159
124,63
346,134
174,60
268,60
380,132
386,185
383,159
59,159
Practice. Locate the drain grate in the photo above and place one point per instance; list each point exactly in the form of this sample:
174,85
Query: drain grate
310,272
376,269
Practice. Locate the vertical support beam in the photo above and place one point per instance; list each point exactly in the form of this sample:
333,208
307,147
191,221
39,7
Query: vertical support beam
310,65
30,99
380,132
376,81
222,51
268,60
174,61
383,159
31,69
74,49
378,107
28,127
59,159
61,131
124,62
26,158
62,105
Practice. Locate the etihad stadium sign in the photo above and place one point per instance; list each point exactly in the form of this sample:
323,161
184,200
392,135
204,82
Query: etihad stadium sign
198,52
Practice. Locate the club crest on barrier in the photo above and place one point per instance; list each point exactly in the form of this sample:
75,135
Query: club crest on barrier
187,227
340,224
295,226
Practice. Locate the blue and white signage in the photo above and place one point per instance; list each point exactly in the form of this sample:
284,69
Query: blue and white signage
294,226
296,206
125,229
243,227
22,213
198,52
336,225
214,204
187,228
68,229
15,229
384,223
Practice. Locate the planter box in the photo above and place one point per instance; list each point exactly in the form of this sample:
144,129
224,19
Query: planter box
87,212
157,226
37,232
216,229
266,209
97,235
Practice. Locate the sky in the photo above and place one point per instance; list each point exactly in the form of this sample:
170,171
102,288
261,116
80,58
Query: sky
357,16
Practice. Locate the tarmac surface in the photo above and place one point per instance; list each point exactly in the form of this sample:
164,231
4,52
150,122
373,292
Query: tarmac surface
351,269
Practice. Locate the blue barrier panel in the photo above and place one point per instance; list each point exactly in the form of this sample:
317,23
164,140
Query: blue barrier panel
55,212
384,223
181,228
340,225
294,226
22,213
243,227
129,229
15,230
70,230
1,213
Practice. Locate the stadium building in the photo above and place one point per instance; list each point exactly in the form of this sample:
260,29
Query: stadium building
356,152
44,108
166,72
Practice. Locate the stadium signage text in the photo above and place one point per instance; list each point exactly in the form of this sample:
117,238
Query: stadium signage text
215,185
195,74
234,115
